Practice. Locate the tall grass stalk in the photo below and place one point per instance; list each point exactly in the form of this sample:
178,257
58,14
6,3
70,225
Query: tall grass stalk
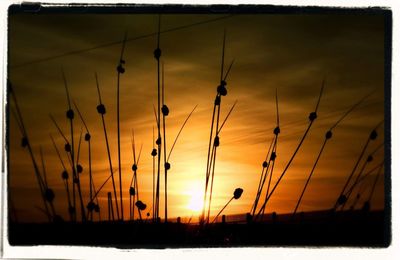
49,194
101,109
328,136
75,179
27,144
90,206
64,177
157,55
357,178
120,70
266,164
312,117
342,198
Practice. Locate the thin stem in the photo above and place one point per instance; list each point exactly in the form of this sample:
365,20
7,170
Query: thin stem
108,150
121,61
35,166
180,130
309,177
222,210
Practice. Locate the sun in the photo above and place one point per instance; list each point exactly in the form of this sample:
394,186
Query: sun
196,201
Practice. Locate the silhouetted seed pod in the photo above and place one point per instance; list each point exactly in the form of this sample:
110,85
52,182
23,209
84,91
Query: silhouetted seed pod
70,114
237,193
148,214
120,69
71,210
277,130
216,141
221,89
370,158
64,175
373,135
158,141
96,208
154,152
312,116
342,199
140,205
101,109
132,191
165,110
167,166
157,53
87,137
67,147
49,194
217,101
328,134
273,156
134,167
24,142
76,180
79,168
90,206
265,164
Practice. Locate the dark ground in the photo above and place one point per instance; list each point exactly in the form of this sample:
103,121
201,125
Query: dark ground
310,229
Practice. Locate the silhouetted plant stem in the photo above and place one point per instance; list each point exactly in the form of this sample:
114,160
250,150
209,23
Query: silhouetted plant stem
211,156
154,173
328,136
64,177
270,175
102,110
350,190
134,190
264,173
165,112
75,179
157,55
120,70
28,145
90,206
342,199
270,157
222,210
309,177
312,117
362,178
374,185
49,194
110,207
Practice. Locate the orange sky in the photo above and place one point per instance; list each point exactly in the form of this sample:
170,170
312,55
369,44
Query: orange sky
290,53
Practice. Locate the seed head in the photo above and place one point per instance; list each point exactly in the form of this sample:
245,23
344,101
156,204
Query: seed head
67,147
70,114
101,109
165,110
157,53
167,166
373,135
64,175
79,168
265,164
312,116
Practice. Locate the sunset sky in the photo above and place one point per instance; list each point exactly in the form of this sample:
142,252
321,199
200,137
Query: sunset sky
292,53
